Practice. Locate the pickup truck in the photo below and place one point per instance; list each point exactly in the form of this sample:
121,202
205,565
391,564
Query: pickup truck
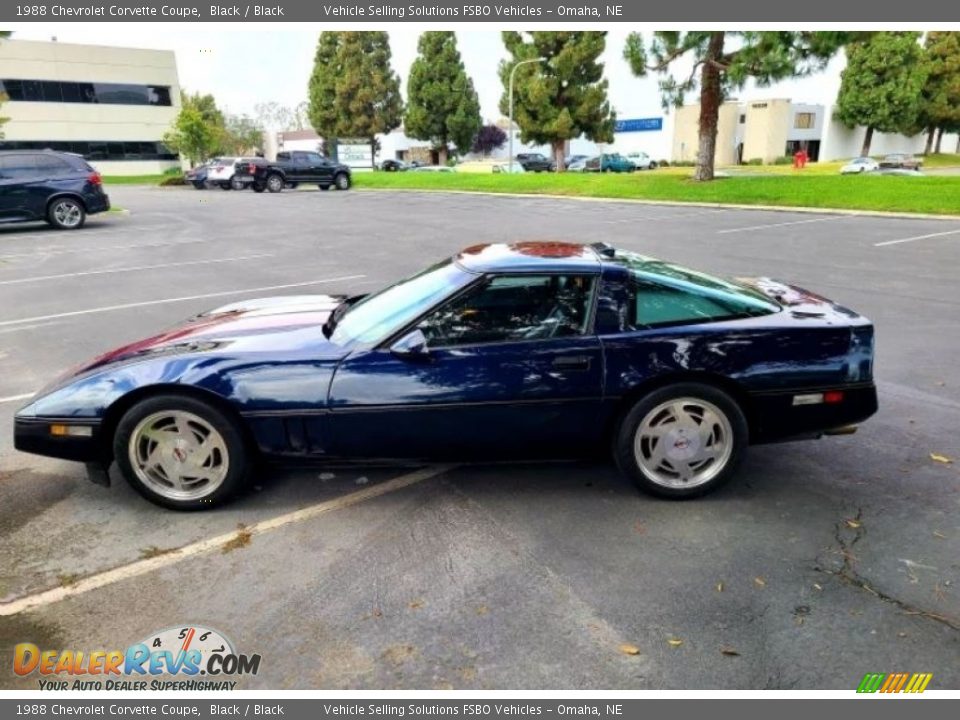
292,168
534,162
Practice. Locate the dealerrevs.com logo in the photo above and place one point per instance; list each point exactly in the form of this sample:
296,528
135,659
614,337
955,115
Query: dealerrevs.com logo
177,658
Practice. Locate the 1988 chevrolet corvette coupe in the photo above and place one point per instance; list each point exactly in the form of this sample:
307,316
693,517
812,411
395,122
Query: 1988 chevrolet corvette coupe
505,350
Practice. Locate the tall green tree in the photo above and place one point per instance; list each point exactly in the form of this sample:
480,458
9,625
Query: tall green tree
880,88
564,96
3,95
241,135
723,61
193,137
940,98
353,90
442,105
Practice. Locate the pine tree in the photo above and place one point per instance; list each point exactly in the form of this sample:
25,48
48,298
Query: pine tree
442,105
881,86
725,61
564,96
322,90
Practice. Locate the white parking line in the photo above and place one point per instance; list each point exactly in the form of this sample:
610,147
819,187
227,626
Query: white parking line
86,249
127,306
43,278
917,237
201,547
784,224
14,398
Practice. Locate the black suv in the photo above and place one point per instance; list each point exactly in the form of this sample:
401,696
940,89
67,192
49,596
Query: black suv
534,162
60,188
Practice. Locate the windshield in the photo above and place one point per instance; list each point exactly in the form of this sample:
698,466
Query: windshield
750,301
378,315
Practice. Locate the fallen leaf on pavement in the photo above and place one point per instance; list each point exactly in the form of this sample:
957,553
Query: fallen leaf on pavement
818,586
760,581
939,535
941,458
853,523
719,587
415,604
674,642
628,649
729,652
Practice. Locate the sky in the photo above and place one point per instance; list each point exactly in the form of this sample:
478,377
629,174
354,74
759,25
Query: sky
244,67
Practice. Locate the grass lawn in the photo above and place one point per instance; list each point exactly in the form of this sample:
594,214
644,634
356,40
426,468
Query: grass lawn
133,179
889,193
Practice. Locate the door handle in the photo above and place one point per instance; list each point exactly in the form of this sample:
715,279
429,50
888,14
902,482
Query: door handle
572,362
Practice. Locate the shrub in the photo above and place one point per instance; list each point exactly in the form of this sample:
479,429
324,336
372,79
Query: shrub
663,163
174,171
754,161
783,160
684,163
173,180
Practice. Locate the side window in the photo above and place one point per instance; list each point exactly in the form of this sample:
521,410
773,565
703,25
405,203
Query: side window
513,308
301,158
50,166
18,167
639,304
315,158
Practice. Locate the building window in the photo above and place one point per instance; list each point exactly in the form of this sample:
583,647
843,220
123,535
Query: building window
75,92
95,150
743,118
804,120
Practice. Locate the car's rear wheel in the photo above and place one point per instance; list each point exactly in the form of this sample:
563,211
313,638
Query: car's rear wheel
181,453
66,214
274,183
342,181
681,441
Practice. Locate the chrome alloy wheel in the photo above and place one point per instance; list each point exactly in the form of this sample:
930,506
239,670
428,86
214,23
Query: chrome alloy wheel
683,443
67,214
178,455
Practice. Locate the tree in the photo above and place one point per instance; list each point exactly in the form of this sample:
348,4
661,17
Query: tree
880,88
940,98
442,105
193,136
241,135
489,138
206,105
353,90
564,96
725,61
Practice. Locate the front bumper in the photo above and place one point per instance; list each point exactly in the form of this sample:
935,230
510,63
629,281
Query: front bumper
775,417
33,435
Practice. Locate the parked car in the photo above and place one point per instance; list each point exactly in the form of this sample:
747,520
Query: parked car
642,161
901,161
533,162
198,176
292,168
512,168
860,165
433,168
609,162
578,165
489,166
222,173
502,351
567,161
393,165
61,188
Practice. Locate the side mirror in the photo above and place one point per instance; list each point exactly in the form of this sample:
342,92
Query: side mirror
411,346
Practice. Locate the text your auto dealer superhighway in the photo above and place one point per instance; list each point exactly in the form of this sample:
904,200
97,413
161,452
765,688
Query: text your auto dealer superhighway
119,11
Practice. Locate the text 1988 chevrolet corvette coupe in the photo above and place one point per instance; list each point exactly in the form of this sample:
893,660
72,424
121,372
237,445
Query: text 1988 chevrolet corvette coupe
526,349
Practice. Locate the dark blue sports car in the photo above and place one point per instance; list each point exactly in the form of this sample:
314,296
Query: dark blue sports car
504,351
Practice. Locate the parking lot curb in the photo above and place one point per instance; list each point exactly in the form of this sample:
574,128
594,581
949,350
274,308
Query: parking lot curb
684,203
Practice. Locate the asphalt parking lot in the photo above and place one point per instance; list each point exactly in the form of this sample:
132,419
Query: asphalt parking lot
820,562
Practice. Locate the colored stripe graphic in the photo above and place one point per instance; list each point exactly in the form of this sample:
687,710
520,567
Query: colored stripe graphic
894,682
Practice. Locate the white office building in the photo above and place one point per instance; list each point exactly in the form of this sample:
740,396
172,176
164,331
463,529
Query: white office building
112,105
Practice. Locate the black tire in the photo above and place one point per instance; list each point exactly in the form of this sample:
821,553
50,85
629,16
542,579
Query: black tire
225,186
66,213
199,185
236,184
258,188
653,166
623,442
341,181
238,455
274,183
323,187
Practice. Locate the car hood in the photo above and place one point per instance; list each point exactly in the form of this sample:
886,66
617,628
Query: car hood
276,325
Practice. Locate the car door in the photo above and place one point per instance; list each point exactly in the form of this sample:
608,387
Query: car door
511,368
321,170
18,179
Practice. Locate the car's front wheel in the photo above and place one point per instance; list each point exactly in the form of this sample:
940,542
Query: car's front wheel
342,181
66,214
236,183
181,453
681,441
